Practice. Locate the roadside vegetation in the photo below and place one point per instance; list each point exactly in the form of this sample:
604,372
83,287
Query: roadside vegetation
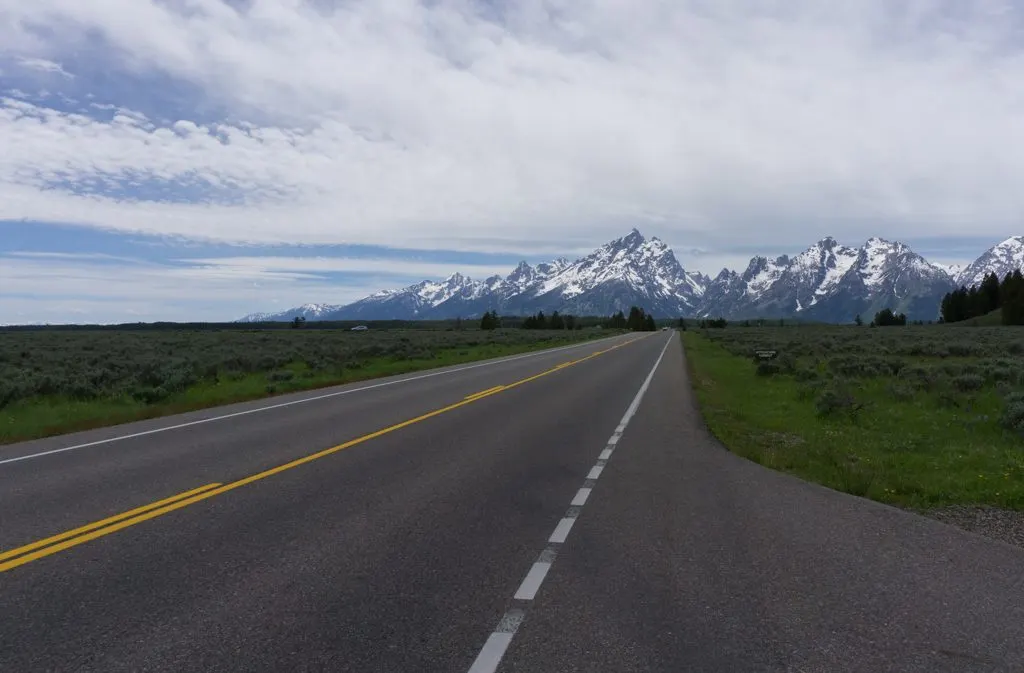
922,417
60,380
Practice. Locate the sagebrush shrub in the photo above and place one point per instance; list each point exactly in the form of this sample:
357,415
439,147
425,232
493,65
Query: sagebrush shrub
901,392
837,399
967,382
962,349
806,374
1012,417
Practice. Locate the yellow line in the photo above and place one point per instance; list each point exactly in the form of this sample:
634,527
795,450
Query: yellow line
489,391
102,522
100,528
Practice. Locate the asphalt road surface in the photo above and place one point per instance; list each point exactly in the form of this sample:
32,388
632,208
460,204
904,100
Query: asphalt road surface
518,515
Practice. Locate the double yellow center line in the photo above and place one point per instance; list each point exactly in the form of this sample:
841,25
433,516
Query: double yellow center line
51,545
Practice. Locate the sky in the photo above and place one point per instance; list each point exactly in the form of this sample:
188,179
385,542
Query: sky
203,159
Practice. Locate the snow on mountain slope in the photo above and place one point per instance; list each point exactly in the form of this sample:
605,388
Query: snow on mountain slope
648,266
827,281
1003,258
307,311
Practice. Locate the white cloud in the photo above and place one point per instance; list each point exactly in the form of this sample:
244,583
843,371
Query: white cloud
43,65
403,267
58,287
397,123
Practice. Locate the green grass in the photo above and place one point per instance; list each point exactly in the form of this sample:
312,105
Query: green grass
992,319
896,439
286,362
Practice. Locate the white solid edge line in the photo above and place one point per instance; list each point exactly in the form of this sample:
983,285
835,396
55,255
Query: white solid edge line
595,472
270,407
605,455
531,583
614,439
490,656
643,388
562,530
581,498
497,643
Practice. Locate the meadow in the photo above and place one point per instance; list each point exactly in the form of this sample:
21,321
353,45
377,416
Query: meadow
921,417
54,381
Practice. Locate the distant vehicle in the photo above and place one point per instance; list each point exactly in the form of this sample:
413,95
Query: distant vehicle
360,328
664,329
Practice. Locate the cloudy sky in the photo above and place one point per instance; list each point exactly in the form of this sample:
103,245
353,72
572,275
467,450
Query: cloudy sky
201,159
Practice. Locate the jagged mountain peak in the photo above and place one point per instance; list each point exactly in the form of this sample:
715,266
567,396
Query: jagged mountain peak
1002,258
634,239
826,281
1012,245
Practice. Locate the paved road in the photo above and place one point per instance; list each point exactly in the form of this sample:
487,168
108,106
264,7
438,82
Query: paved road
580,519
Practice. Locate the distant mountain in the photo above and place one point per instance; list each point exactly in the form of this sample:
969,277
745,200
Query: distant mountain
307,311
1002,258
827,282
830,282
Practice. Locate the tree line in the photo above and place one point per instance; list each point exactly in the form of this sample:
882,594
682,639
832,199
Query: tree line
885,318
638,321
1006,296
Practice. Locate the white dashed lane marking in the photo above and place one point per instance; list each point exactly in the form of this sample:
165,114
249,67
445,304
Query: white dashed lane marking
497,643
581,497
562,530
528,589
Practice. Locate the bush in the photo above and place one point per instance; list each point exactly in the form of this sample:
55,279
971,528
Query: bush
901,392
150,395
1013,416
806,374
281,375
768,368
968,382
1002,374
837,399
920,377
962,349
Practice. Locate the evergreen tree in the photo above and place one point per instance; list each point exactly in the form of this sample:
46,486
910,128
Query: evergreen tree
886,318
955,306
1012,294
556,321
570,322
990,290
650,325
490,321
858,321
635,322
617,321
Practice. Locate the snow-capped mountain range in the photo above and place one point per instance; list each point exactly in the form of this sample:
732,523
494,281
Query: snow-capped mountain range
827,282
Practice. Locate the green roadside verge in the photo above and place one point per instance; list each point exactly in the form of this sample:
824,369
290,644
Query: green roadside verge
44,416
887,427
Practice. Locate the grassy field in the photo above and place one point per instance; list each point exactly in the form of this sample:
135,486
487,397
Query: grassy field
919,417
58,381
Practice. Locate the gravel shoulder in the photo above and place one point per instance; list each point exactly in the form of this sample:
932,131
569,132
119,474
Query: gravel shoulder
996,523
